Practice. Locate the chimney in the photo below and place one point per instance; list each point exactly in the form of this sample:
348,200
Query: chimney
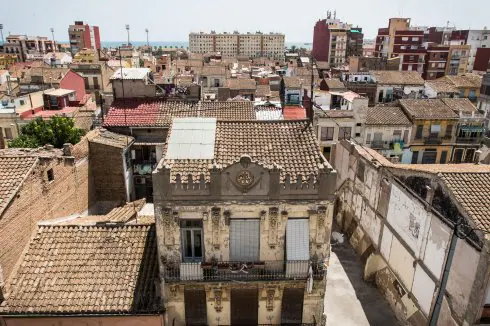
2,140
1,285
66,149
477,156
429,197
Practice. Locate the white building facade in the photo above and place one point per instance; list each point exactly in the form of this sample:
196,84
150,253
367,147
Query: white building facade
234,44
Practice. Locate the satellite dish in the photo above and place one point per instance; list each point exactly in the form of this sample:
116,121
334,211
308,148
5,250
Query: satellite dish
406,91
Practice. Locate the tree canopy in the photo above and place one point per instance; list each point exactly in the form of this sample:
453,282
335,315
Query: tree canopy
56,131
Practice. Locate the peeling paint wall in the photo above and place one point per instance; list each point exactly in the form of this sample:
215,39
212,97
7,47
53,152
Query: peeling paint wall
404,243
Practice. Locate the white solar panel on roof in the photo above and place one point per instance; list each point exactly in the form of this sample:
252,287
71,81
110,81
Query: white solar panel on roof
192,138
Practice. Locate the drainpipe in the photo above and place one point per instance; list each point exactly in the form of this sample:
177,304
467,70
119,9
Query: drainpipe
445,276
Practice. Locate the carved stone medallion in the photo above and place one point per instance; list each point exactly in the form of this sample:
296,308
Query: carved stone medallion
244,178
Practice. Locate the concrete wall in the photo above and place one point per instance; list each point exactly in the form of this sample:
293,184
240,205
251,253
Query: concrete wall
384,221
86,321
75,82
133,88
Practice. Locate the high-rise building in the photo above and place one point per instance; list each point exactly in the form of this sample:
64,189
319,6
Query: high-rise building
334,41
83,36
233,44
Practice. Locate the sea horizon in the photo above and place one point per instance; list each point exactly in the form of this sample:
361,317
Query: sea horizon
181,44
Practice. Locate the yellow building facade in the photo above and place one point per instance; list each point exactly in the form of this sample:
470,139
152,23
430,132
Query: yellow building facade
6,60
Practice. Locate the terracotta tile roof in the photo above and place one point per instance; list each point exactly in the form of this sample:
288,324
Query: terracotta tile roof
18,68
108,138
241,83
123,214
284,143
294,112
472,191
213,71
386,115
428,109
334,83
442,85
334,113
263,91
68,111
457,104
13,171
465,81
133,113
292,82
386,77
151,113
86,269
446,168
49,74
228,110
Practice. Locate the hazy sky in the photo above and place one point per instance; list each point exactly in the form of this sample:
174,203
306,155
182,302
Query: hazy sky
173,20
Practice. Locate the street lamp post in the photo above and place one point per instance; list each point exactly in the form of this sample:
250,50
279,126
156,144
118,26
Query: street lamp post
52,33
127,29
147,41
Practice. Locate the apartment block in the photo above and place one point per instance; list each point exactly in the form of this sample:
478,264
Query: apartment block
436,62
334,41
233,44
29,47
83,36
475,39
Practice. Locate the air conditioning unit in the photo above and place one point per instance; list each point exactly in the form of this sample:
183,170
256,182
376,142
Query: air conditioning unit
140,181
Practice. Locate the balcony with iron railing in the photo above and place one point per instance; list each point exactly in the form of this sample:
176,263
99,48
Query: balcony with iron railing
433,140
221,271
388,144
468,140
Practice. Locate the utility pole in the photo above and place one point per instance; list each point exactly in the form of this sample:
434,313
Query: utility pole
52,33
127,29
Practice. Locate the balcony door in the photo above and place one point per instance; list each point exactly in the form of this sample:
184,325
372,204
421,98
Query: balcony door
429,157
195,307
244,308
297,247
292,306
244,240
192,240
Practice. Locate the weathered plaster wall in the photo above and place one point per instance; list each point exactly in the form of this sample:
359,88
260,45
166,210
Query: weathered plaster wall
216,229
270,294
384,222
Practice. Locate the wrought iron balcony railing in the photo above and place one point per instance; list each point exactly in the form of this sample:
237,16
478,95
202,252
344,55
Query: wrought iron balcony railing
433,141
468,140
243,271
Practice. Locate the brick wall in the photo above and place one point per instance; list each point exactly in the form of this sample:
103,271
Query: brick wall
39,199
106,166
